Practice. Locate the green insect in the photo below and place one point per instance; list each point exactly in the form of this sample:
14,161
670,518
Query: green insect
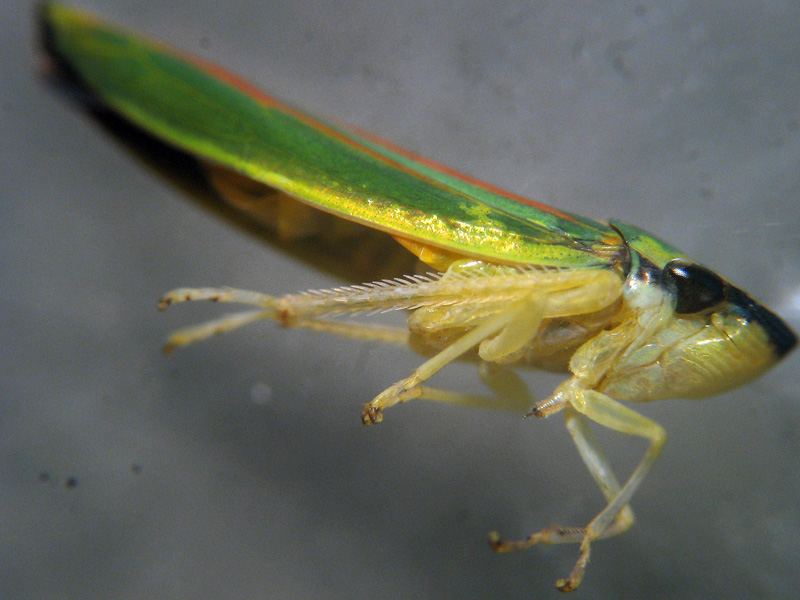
628,316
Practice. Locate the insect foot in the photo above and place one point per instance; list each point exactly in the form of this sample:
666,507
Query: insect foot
400,392
371,415
555,534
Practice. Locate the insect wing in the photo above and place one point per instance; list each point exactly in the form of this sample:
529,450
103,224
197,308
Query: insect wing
204,110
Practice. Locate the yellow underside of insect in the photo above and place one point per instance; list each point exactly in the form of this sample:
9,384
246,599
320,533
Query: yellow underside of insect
559,319
510,315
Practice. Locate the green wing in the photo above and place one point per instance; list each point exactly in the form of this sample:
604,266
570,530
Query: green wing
204,110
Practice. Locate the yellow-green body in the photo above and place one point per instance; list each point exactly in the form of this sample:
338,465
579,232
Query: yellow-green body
626,314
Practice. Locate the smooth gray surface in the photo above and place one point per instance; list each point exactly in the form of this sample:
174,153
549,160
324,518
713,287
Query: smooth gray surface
681,117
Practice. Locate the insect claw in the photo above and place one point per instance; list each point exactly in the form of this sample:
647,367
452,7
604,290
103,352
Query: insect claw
496,543
566,585
371,415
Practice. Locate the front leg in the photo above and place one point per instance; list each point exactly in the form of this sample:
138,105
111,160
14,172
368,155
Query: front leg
608,412
524,316
616,517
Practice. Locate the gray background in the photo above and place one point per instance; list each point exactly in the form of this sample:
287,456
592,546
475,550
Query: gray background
238,468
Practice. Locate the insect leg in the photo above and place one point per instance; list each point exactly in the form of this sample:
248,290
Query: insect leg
608,412
225,323
599,467
516,334
510,391
425,392
189,335
616,517
603,474
408,388
270,310
224,294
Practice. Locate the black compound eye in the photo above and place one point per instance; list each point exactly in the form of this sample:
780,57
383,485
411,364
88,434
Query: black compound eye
696,288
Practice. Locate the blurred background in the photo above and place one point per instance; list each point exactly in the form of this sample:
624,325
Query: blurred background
238,468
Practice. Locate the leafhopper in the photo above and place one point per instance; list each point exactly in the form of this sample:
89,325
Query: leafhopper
510,281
